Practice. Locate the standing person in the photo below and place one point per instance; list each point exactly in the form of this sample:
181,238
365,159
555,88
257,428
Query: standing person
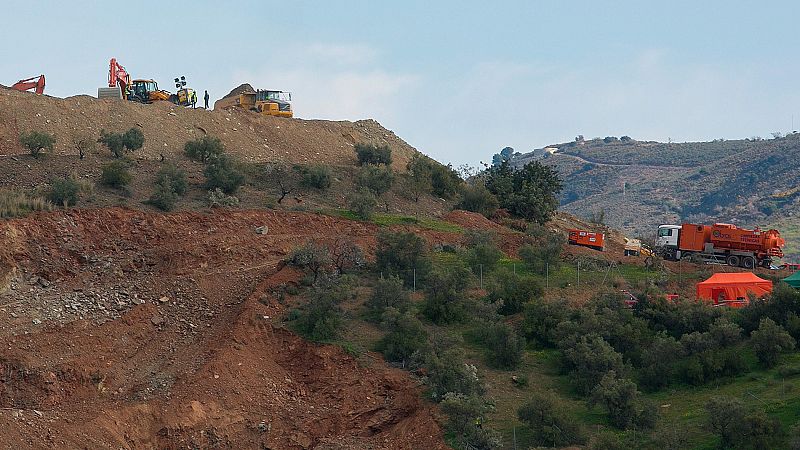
205,97
194,99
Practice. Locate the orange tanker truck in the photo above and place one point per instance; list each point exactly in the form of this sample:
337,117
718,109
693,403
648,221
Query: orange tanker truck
721,243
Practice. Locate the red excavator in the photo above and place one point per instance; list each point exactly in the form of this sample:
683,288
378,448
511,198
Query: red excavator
118,76
120,85
28,84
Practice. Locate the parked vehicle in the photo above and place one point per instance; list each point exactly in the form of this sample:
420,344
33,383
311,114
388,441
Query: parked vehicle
721,243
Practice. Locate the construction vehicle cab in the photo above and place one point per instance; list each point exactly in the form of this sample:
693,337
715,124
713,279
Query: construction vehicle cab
146,91
273,103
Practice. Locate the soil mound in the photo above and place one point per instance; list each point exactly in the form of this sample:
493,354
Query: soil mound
241,89
246,135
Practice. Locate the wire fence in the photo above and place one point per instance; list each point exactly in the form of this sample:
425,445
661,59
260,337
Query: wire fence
589,274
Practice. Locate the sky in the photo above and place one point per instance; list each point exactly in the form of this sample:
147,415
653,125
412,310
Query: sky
459,80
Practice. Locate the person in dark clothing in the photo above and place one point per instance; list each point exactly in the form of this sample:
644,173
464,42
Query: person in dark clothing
205,97
194,99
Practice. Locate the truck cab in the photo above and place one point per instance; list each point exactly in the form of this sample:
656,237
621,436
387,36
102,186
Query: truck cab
668,236
667,241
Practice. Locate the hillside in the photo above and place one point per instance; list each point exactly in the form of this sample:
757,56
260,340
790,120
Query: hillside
254,141
305,324
640,185
251,137
124,329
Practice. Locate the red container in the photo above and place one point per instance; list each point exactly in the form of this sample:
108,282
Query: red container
587,239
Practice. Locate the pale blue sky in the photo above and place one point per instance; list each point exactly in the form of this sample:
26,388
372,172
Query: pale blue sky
457,79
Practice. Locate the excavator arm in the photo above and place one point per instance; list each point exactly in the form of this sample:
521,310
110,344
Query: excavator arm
117,75
28,84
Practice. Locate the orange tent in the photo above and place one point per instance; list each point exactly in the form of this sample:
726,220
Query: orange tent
732,288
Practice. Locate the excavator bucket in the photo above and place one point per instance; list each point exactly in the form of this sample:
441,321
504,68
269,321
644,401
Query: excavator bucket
115,93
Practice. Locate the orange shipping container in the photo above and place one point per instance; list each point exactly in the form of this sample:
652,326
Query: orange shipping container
587,239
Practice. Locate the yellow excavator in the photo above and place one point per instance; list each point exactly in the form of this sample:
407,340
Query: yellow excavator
266,102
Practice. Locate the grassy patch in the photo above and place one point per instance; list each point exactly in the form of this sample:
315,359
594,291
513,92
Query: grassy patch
388,220
16,203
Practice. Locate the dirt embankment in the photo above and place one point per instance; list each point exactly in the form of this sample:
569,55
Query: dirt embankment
246,135
125,329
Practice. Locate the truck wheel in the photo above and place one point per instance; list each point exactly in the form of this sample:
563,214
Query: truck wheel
749,262
733,260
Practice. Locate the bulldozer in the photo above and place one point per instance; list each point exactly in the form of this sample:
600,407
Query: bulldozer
263,101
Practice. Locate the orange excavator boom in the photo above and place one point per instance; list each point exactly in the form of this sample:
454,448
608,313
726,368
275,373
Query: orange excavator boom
117,75
28,84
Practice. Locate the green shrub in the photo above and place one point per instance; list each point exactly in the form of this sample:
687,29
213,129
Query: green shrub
389,293
402,254
445,294
115,174
658,365
545,254
313,258
377,179
504,346
483,258
512,291
321,318
363,204
741,427
447,371
769,341
372,154
445,182
621,401
203,149
476,198
217,199
588,359
530,193
64,191
465,414
221,173
315,177
346,256
417,180
133,139
170,186
541,320
36,141
548,419
405,336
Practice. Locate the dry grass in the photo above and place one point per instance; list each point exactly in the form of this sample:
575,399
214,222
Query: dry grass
17,203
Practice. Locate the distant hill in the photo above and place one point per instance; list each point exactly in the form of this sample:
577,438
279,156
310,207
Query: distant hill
639,185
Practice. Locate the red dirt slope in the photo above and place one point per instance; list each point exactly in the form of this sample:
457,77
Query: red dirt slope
123,329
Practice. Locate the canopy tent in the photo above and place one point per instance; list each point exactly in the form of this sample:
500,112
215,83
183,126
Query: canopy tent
732,288
793,280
